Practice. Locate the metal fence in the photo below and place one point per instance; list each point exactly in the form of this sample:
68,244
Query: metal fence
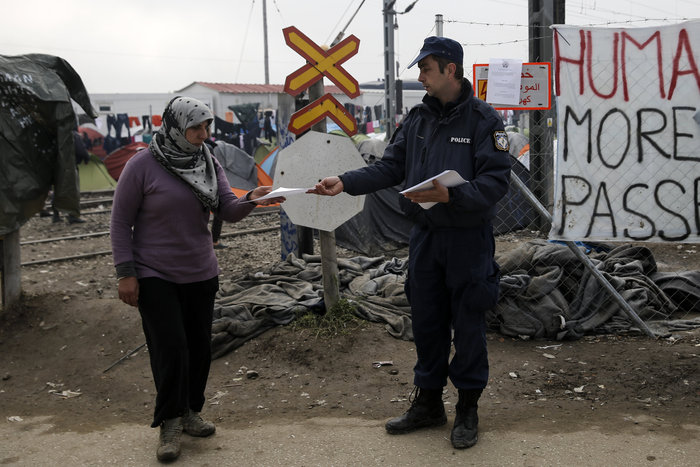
566,289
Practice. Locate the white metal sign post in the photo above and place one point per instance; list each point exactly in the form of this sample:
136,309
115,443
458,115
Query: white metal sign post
300,165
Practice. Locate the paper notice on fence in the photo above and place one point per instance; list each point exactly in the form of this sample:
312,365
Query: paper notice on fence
504,81
448,178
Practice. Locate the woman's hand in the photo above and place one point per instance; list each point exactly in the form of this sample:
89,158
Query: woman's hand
261,191
129,290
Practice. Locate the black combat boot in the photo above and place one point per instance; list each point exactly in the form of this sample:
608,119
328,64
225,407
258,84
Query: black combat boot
465,430
426,410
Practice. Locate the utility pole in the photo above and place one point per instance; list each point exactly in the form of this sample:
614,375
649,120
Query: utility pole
438,25
542,14
267,58
389,76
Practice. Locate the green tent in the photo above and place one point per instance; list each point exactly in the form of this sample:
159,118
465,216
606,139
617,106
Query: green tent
264,148
94,175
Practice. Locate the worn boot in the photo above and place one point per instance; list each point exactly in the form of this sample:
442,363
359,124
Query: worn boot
169,445
465,430
426,410
75,219
193,425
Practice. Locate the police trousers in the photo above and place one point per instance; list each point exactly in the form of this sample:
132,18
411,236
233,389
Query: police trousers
452,280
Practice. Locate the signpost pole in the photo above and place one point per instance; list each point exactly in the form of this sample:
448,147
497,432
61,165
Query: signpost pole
10,269
329,259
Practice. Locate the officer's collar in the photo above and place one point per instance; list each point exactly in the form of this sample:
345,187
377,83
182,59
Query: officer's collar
435,104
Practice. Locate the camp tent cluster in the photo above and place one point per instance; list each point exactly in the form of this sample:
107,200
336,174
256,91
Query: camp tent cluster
104,168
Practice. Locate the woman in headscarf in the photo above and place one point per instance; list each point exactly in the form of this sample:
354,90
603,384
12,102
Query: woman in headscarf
166,264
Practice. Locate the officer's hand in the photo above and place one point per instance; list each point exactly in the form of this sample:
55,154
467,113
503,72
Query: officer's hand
437,194
329,186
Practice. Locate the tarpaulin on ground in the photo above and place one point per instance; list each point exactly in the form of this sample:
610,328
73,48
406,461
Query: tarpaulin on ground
555,297
36,140
546,292
248,306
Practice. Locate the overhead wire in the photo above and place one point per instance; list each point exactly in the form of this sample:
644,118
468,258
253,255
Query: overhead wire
274,2
245,38
429,33
334,28
636,5
415,54
516,25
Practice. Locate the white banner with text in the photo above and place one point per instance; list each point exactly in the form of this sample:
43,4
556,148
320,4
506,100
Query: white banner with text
628,148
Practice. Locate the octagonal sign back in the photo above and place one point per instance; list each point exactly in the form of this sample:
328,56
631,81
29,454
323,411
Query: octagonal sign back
304,163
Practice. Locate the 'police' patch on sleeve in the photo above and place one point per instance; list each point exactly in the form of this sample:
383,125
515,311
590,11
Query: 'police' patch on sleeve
500,140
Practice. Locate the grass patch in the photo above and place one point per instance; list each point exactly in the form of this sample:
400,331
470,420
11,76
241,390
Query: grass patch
339,320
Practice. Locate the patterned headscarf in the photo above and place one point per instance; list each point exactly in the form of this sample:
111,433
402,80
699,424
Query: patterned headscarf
193,164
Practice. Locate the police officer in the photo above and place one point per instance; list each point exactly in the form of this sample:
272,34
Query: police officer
453,278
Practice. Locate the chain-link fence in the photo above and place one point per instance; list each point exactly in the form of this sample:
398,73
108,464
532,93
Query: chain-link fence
564,289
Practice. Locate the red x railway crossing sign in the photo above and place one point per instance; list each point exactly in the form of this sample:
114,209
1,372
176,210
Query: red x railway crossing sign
321,63
325,106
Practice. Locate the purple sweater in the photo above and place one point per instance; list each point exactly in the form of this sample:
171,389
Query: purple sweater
161,226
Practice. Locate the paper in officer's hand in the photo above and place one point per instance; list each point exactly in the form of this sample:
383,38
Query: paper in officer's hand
448,178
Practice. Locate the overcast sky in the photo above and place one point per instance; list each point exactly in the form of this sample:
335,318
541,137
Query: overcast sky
131,46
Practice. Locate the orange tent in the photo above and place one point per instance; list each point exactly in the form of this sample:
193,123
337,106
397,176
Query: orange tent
116,159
